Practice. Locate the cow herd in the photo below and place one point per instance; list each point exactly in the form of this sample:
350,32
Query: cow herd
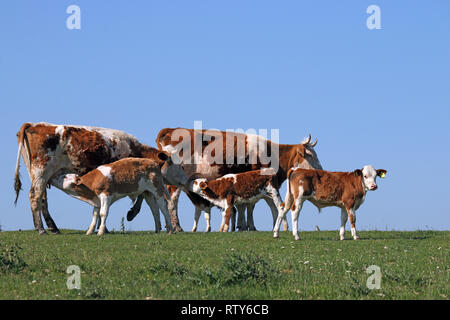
229,170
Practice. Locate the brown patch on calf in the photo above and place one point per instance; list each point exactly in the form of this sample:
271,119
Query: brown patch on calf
125,177
340,189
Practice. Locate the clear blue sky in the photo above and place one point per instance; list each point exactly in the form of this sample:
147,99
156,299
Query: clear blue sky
378,97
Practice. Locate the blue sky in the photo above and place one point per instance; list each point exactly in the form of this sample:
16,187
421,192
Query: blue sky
378,97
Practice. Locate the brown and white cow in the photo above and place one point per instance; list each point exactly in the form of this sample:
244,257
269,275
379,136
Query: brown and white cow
346,190
238,189
51,151
242,146
129,177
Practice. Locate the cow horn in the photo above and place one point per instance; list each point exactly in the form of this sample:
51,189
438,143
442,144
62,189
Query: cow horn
307,141
314,144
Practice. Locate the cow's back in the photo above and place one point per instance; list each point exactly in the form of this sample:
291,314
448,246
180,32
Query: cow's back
78,149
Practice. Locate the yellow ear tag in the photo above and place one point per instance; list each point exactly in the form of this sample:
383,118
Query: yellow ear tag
382,175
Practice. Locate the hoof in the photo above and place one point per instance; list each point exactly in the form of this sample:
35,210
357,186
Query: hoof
356,238
42,232
54,231
178,229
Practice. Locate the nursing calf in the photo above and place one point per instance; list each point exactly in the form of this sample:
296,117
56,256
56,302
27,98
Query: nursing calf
238,189
346,190
129,177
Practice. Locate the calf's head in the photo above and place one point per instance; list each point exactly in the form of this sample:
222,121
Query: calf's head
173,173
369,176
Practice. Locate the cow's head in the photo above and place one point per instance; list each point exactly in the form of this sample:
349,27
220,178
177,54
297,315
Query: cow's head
369,176
305,156
173,173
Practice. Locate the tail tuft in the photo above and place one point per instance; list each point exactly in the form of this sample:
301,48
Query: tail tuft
17,188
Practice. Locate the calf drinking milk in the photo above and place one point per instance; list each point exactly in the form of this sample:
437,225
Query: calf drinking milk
235,189
346,190
129,177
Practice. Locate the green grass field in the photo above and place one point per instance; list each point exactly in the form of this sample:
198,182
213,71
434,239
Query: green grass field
245,265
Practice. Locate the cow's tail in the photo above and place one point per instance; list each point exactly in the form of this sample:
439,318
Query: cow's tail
289,199
21,136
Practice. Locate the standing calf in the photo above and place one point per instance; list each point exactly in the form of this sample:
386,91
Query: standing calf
130,177
346,190
237,189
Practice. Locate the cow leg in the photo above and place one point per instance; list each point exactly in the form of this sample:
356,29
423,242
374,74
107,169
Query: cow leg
250,222
95,213
228,211
197,214
233,220
273,208
36,195
208,219
105,202
132,213
99,222
344,217
281,216
154,208
295,215
241,223
173,210
48,219
352,218
163,206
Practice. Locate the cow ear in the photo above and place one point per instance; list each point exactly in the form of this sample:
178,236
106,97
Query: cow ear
163,156
301,151
203,185
357,172
381,173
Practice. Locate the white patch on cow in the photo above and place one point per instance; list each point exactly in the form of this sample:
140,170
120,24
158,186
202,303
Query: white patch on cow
268,171
106,171
59,130
170,149
230,175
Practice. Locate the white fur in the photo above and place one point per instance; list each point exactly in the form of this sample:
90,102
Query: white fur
106,171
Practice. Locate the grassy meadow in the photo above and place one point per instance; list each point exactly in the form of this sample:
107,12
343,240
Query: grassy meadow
239,265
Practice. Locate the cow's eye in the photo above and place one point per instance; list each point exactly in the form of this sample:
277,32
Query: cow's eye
365,177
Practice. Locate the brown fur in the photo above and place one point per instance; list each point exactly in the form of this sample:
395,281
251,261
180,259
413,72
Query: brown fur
340,189
125,176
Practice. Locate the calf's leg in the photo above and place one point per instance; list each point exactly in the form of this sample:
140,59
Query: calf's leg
197,214
163,206
208,219
95,213
344,217
352,218
105,202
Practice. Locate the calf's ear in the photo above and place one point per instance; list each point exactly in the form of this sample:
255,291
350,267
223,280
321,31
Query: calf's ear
381,173
357,172
203,185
